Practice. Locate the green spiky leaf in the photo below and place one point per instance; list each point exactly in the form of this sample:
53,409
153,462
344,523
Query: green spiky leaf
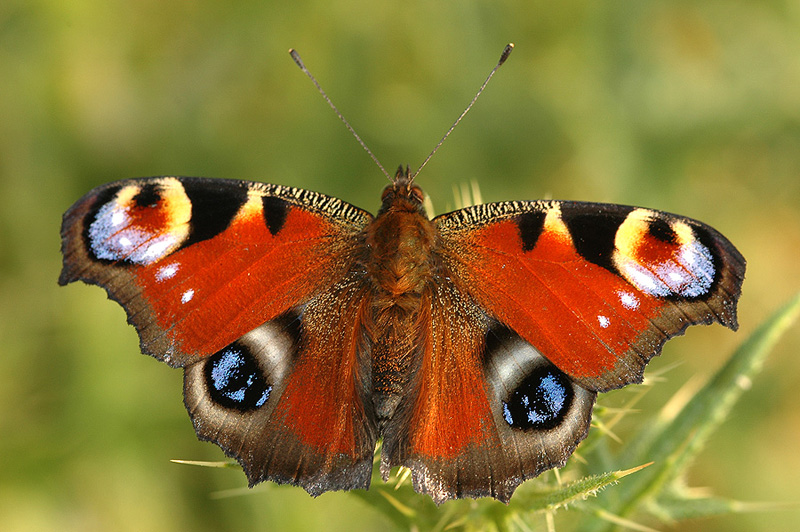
675,442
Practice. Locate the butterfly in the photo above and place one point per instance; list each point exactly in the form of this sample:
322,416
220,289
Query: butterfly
473,344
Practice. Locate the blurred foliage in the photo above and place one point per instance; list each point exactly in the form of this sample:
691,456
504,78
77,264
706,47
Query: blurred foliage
682,106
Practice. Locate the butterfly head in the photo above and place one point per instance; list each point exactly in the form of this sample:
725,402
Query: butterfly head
403,193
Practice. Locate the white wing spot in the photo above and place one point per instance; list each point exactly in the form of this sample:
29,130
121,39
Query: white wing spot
167,272
628,300
187,296
118,218
604,321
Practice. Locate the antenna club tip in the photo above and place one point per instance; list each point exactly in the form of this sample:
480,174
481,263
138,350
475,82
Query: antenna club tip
296,57
506,52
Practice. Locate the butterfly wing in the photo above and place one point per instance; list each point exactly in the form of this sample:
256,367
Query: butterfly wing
540,306
242,284
596,288
461,429
291,399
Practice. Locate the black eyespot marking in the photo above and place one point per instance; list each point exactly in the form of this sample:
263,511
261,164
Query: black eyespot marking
234,379
540,402
593,233
213,207
148,196
661,230
275,212
530,226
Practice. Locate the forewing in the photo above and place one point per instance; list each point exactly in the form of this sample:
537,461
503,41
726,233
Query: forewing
596,288
197,263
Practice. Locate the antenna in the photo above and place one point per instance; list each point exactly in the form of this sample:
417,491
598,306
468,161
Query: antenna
506,52
302,66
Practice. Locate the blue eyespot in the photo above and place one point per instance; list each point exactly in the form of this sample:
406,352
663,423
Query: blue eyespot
540,402
234,379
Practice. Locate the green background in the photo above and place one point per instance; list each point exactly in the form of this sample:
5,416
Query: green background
687,107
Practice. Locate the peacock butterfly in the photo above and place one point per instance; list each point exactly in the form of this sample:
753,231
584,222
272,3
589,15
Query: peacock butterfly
474,344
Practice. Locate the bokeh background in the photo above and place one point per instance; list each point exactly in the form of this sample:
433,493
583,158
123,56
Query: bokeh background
687,107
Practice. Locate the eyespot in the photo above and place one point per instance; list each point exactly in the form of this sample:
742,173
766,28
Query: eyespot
140,223
541,401
234,379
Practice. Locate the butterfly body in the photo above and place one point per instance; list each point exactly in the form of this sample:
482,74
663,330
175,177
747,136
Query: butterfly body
473,344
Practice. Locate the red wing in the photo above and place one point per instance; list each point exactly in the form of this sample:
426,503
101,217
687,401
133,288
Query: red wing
289,400
252,288
538,306
484,410
197,263
597,289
